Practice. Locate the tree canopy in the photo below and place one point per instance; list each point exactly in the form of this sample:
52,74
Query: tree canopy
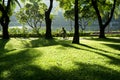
33,14
103,10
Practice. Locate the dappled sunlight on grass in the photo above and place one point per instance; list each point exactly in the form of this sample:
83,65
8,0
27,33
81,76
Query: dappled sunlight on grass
13,62
40,59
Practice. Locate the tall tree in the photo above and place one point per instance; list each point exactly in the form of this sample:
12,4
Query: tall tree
6,8
85,17
76,30
106,4
48,21
33,14
68,5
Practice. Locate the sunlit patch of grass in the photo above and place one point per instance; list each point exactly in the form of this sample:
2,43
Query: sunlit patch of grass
41,59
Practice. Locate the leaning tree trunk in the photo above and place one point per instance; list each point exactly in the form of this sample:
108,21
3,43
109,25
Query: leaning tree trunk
76,33
48,21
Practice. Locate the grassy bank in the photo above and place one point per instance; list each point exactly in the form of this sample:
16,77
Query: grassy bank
40,59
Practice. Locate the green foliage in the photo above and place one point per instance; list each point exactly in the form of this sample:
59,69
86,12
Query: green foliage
105,7
66,4
32,13
85,10
117,10
9,7
21,17
15,30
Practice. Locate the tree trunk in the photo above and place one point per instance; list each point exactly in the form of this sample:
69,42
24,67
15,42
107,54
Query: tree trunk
5,34
4,23
101,25
102,32
5,19
76,32
48,21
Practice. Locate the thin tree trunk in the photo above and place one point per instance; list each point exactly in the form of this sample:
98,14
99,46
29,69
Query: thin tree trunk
76,32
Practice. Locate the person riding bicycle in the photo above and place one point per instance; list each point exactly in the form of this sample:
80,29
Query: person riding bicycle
63,33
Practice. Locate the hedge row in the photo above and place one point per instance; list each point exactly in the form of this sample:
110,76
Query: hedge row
59,35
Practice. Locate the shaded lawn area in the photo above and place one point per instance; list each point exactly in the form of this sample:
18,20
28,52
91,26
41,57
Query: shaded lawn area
40,59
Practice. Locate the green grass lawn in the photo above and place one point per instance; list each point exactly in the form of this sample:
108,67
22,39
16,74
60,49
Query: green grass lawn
40,59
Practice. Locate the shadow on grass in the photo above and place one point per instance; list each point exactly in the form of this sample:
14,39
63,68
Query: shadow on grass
41,42
18,65
38,42
113,40
114,46
25,71
2,45
94,48
15,66
113,60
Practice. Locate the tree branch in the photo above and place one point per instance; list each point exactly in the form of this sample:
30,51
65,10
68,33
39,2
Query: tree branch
95,6
111,14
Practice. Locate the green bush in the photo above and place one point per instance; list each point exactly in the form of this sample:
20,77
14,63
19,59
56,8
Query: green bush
15,30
